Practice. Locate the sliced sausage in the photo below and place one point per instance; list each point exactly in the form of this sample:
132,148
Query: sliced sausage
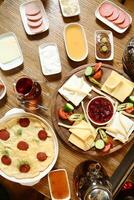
41,156
24,122
35,24
37,30
125,24
42,134
34,17
120,18
114,15
24,168
4,134
6,160
32,9
106,10
22,145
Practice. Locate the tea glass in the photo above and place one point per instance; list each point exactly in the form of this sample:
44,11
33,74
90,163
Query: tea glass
28,92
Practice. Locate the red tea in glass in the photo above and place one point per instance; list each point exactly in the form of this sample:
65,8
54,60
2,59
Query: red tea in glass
28,91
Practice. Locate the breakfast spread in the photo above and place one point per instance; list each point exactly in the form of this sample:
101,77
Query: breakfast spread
93,108
27,147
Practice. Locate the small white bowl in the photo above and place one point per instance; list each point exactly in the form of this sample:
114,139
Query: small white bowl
3,93
100,123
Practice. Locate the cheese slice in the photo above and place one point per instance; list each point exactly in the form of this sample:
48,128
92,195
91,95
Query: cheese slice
9,49
118,86
79,143
80,89
83,134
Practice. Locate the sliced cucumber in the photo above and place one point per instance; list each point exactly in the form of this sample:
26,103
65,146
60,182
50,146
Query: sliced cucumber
124,106
131,99
68,107
76,117
99,144
103,135
89,71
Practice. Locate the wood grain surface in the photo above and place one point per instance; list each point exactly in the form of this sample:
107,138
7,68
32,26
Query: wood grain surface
10,21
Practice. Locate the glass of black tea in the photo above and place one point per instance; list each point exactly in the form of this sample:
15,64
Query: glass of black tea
28,92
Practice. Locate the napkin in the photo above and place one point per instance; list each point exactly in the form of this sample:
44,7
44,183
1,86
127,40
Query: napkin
75,89
122,127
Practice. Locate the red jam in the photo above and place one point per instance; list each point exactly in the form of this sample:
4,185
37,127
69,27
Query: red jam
100,110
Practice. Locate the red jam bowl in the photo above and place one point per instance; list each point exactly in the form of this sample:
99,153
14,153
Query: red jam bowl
100,110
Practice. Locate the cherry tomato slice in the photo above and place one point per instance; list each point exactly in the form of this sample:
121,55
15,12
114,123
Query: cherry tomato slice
98,75
97,66
62,114
107,148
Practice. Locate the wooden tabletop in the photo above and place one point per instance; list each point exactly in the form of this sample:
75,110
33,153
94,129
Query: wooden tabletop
10,21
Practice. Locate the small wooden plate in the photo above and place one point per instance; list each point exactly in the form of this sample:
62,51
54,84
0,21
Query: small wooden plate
59,101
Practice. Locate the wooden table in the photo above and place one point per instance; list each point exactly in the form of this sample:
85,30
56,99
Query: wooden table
10,20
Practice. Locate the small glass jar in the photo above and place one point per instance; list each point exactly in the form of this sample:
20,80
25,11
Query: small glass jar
91,182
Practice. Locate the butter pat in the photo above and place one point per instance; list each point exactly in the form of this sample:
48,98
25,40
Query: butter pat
75,89
118,86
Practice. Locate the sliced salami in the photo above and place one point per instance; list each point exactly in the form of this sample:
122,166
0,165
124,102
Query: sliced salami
42,135
24,122
4,134
125,24
106,10
114,15
41,156
34,24
34,17
22,146
32,9
24,168
120,18
6,160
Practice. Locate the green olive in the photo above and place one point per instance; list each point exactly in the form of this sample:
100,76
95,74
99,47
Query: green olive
104,40
104,49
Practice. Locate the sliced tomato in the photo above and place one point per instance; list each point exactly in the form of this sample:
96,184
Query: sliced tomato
62,114
97,66
107,148
98,75
130,110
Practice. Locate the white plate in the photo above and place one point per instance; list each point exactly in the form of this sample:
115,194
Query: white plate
107,22
13,63
15,112
4,90
110,34
24,18
49,59
73,9
84,40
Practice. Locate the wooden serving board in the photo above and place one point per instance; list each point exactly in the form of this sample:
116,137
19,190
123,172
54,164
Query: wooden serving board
59,102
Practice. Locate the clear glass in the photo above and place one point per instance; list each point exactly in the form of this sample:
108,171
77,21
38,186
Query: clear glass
28,92
92,182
